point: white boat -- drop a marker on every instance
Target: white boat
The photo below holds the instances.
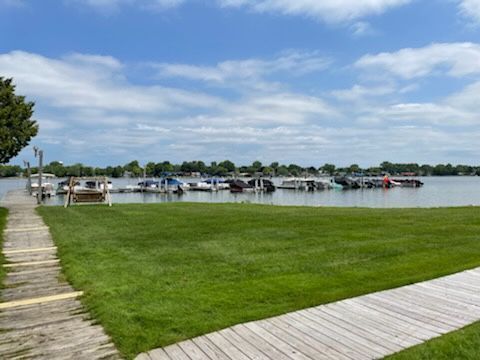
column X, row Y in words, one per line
column 298, row 184
column 98, row 185
column 201, row 186
column 48, row 188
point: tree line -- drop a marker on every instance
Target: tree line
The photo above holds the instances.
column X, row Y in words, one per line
column 227, row 167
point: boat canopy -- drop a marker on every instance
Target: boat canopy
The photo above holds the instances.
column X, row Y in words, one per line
column 148, row 183
column 171, row 181
column 44, row 175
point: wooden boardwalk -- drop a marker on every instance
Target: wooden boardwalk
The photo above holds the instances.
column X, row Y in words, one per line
column 40, row 315
column 366, row 327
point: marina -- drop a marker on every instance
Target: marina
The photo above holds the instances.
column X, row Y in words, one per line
column 437, row 191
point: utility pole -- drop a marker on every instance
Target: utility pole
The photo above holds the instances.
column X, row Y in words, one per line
column 29, row 176
column 39, row 154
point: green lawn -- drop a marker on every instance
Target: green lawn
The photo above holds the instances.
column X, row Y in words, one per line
column 462, row 344
column 3, row 222
column 156, row 274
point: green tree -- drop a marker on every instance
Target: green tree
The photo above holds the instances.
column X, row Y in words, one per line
column 16, row 128
column 354, row 168
column 328, row 168
column 267, row 170
column 150, row 169
column 227, row 164
column 257, row 165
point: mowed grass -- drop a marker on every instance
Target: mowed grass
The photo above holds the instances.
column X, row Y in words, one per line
column 3, row 222
column 462, row 344
column 159, row 273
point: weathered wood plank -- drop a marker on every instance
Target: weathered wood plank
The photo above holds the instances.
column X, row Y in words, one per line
column 42, row 317
column 193, row 351
column 278, row 343
column 228, row 348
column 175, row 352
column 212, row 351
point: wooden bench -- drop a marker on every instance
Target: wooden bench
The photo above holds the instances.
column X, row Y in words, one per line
column 84, row 197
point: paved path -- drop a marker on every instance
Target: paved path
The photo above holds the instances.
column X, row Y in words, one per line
column 366, row 327
column 40, row 315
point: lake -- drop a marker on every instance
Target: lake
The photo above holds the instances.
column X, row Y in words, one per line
column 437, row 191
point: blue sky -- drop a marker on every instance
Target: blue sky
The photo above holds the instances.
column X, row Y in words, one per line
column 304, row 81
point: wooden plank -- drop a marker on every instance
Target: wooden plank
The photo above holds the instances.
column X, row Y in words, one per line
column 433, row 308
column 143, row 356
column 302, row 346
column 259, row 343
column 21, row 251
column 39, row 300
column 175, row 352
column 434, row 322
column 192, row 350
column 158, row 354
column 311, row 341
column 228, row 348
column 458, row 306
column 461, row 293
column 32, row 263
column 346, row 344
column 360, row 327
column 428, row 310
column 276, row 342
column 449, row 295
column 429, row 323
column 466, row 280
column 325, row 321
column 248, row 349
column 396, row 316
column 25, row 229
column 328, row 340
column 389, row 320
column 209, row 348
column 402, row 335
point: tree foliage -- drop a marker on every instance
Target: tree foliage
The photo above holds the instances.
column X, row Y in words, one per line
column 16, row 127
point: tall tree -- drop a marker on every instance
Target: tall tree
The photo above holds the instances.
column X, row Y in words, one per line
column 16, row 128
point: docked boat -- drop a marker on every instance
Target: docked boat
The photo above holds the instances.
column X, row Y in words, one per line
column 348, row 182
column 48, row 189
column 173, row 185
column 239, row 186
column 201, row 186
column 262, row 185
column 218, row 183
column 414, row 183
column 94, row 185
column 324, row 184
column 150, row 186
column 298, row 184
column 62, row 187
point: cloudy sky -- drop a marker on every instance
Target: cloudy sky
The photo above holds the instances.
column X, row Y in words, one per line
column 303, row 81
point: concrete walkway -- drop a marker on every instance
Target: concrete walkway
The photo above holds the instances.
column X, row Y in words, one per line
column 40, row 315
column 366, row 327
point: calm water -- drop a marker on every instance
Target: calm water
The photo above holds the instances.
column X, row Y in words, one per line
column 437, row 191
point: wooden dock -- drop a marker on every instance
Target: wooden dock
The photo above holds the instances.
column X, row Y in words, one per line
column 40, row 314
column 367, row 327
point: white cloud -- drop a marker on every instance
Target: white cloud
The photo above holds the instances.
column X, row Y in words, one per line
column 88, row 99
column 330, row 11
column 293, row 62
column 455, row 59
column 92, row 82
column 360, row 92
column 470, row 9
